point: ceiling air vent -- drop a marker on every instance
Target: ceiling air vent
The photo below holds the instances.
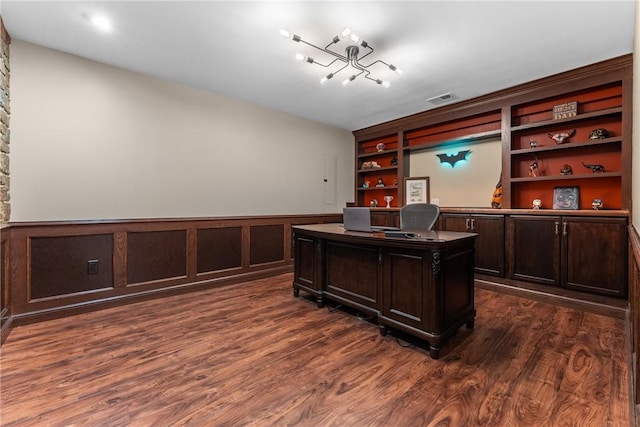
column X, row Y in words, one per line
column 442, row 99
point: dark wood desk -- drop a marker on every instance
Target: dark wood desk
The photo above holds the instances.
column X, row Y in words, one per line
column 422, row 286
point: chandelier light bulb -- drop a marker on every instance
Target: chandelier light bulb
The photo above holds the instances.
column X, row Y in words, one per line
column 349, row 80
column 285, row 33
column 355, row 38
column 396, row 69
column 345, row 32
column 326, row 78
column 300, row 57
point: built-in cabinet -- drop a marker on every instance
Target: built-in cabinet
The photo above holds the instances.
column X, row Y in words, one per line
column 489, row 255
column 578, row 253
column 567, row 134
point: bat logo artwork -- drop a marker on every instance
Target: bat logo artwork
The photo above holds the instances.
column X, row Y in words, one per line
column 452, row 159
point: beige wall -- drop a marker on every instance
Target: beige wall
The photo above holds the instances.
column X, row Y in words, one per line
column 91, row 141
column 468, row 184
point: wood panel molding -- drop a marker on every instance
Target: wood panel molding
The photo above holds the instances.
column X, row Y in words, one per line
column 634, row 303
column 45, row 264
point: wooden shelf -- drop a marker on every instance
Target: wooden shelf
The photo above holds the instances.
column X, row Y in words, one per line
column 386, row 187
column 461, row 140
column 377, row 153
column 568, row 177
column 567, row 146
column 579, row 117
column 387, row 168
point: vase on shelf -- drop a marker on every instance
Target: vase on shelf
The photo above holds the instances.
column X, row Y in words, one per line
column 388, row 199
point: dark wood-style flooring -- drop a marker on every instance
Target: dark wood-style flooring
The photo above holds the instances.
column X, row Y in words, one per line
column 253, row 355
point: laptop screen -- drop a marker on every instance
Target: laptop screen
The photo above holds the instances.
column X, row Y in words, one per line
column 356, row 219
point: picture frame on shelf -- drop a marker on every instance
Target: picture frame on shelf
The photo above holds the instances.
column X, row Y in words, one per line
column 566, row 198
column 416, row 190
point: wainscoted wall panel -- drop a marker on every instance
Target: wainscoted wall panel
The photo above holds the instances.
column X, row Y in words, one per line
column 70, row 264
column 219, row 249
column 46, row 272
column 156, row 255
column 634, row 312
column 5, row 320
column 267, row 243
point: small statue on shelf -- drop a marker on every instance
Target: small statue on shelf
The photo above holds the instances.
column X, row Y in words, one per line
column 380, row 147
column 566, row 170
column 533, row 144
column 597, row 204
column 594, row 168
column 562, row 137
column 536, row 204
column 373, row 203
column 394, row 161
column 380, row 182
column 599, row 133
column 533, row 168
column 365, row 184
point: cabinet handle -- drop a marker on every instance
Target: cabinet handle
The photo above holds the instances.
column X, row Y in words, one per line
column 473, row 224
column 564, row 228
column 557, row 228
column 466, row 224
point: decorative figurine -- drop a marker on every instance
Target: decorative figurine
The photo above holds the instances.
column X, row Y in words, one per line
column 533, row 168
column 533, row 144
column 395, row 182
column 594, row 168
column 380, row 182
column 380, row 147
column 394, row 161
column 373, row 203
column 599, row 133
column 562, row 137
column 536, row 203
column 388, row 199
column 566, row 170
column 370, row 165
column 496, row 197
column 365, row 184
column 597, row 204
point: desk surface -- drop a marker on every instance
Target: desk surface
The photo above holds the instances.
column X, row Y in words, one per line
column 336, row 230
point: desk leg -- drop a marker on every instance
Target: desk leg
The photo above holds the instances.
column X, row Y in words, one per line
column 296, row 292
column 434, row 351
column 470, row 324
column 320, row 301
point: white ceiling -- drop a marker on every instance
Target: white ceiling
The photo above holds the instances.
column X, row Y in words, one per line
column 468, row 48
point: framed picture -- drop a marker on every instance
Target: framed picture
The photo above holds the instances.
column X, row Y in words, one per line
column 416, row 190
column 566, row 198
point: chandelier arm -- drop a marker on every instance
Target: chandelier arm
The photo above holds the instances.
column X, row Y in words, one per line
column 327, row 65
column 365, row 55
column 374, row 62
column 337, row 55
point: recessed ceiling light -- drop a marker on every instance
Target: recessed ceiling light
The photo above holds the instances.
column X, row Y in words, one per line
column 100, row 21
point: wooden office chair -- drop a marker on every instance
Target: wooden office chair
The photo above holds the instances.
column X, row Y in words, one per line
column 419, row 216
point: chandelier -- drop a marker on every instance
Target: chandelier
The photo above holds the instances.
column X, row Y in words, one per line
column 351, row 57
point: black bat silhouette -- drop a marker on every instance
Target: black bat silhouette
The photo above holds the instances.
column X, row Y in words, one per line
column 452, row 159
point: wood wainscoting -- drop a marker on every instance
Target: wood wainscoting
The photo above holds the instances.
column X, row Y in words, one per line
column 634, row 310
column 53, row 269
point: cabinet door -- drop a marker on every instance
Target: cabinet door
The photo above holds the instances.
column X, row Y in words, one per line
column 535, row 249
column 455, row 222
column 353, row 274
column 405, row 298
column 381, row 218
column 489, row 257
column 305, row 270
column 595, row 255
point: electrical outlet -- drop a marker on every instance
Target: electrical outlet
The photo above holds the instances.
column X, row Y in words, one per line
column 92, row 266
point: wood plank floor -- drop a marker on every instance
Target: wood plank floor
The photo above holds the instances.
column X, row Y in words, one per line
column 253, row 355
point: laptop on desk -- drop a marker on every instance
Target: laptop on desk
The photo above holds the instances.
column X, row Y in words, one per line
column 359, row 219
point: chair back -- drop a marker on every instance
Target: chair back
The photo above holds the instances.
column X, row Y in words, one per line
column 419, row 216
